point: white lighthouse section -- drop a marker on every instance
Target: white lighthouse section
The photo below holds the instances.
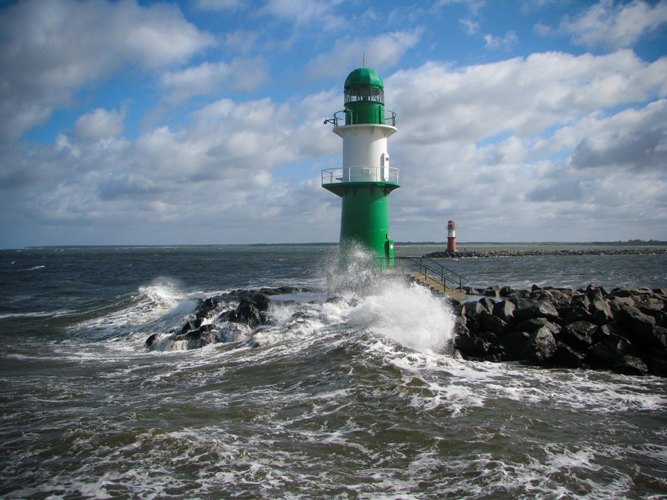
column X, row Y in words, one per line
column 365, row 155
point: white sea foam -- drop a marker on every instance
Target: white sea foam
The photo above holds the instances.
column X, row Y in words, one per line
column 38, row 314
column 162, row 301
column 407, row 314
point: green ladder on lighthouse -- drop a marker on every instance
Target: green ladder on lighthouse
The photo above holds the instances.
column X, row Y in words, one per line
column 366, row 179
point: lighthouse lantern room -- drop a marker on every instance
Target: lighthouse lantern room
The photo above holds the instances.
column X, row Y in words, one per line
column 366, row 179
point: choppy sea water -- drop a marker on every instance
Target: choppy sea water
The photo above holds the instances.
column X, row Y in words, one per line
column 356, row 398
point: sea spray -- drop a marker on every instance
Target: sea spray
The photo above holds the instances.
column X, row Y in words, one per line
column 390, row 306
column 352, row 272
column 408, row 314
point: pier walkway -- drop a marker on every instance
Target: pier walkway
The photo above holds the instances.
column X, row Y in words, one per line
column 433, row 275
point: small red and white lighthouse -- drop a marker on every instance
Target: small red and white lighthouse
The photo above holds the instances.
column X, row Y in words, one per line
column 451, row 236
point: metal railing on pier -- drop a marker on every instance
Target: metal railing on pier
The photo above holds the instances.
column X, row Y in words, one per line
column 431, row 270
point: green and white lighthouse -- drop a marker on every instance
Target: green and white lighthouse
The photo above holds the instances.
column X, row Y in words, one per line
column 366, row 179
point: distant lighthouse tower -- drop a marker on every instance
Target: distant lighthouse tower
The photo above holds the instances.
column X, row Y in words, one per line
column 451, row 236
column 366, row 179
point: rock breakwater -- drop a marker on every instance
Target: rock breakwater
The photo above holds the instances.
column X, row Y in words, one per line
column 463, row 253
column 623, row 330
column 223, row 318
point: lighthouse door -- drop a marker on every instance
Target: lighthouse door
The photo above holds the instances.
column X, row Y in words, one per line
column 384, row 163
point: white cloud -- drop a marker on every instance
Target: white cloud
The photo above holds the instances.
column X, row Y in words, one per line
column 314, row 12
column 100, row 124
column 241, row 41
column 507, row 42
column 614, row 25
column 239, row 74
column 524, row 96
column 469, row 26
column 382, row 51
column 52, row 49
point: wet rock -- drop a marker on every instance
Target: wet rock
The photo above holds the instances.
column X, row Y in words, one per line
column 488, row 304
column 151, row 340
column 492, row 322
column 631, row 365
column 504, row 310
column 204, row 328
column 622, row 330
column 579, row 335
column 472, row 347
column 656, row 361
column 540, row 309
column 200, row 337
column 570, row 314
column 248, row 313
column 513, row 345
column 601, row 311
column 540, row 346
column 505, row 291
column 191, row 325
column 567, row 357
column 611, row 351
column 534, row 324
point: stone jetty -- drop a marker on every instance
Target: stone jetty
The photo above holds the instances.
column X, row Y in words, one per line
column 623, row 330
column 463, row 253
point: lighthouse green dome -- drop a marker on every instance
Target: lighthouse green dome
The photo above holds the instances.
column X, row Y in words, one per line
column 363, row 77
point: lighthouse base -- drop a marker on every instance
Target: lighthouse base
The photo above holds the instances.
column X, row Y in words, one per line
column 365, row 222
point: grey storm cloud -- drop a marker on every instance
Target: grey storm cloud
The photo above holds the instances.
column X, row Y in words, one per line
column 640, row 150
column 636, row 139
column 559, row 191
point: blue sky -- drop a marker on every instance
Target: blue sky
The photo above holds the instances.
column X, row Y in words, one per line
column 201, row 122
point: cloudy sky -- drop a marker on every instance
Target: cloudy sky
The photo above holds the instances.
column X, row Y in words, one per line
column 137, row 122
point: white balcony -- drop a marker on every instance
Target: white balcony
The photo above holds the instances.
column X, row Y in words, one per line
column 359, row 174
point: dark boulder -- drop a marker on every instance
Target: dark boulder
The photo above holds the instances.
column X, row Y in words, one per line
column 150, row 341
column 567, row 357
column 492, row 323
column 505, row 291
column 611, row 351
column 631, row 365
column 579, row 335
column 601, row 311
column 513, row 345
column 487, row 303
column 472, row 347
column 504, row 310
column 247, row 313
column 656, row 360
column 200, row 337
column 540, row 346
column 534, row 324
column 191, row 325
column 542, row 309
column 572, row 313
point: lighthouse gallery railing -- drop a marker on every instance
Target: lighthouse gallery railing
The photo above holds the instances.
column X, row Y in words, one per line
column 339, row 118
column 359, row 174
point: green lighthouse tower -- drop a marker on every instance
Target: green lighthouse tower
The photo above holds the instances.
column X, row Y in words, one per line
column 366, row 179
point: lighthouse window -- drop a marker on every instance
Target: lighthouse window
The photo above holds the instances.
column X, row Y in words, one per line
column 364, row 94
